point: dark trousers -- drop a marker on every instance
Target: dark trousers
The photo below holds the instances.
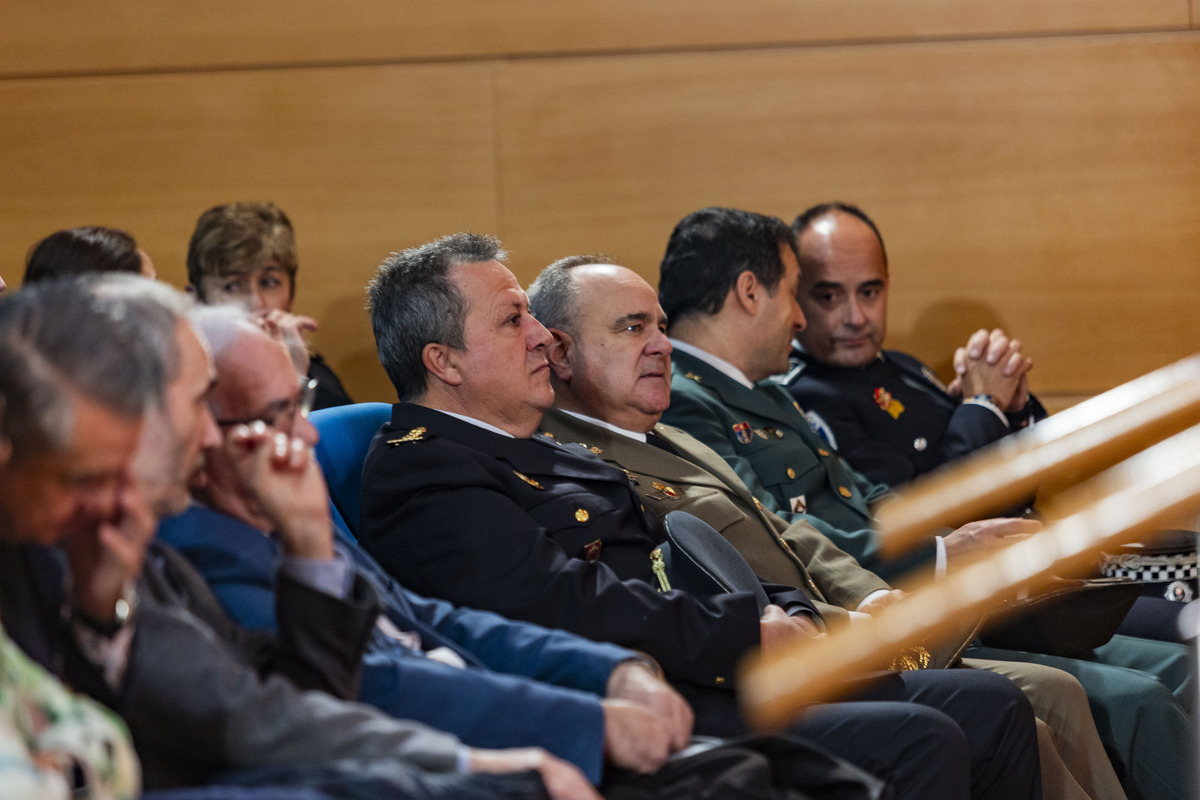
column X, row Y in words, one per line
column 929, row 733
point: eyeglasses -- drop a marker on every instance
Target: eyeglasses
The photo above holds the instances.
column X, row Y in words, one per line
column 281, row 414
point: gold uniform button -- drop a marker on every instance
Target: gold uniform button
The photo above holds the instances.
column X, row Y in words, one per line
column 844, row 492
column 719, row 680
column 823, row 452
column 791, row 473
column 581, row 515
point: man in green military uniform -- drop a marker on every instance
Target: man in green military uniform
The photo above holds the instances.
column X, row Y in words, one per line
column 728, row 285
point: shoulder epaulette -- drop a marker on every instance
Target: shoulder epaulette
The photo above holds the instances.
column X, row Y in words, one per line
column 415, row 435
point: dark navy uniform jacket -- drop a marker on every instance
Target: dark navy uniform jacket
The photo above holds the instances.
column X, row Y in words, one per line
column 893, row 419
column 544, row 532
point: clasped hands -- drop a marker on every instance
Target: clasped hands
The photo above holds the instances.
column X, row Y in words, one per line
column 992, row 364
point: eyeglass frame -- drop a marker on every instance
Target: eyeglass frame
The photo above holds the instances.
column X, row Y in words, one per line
column 300, row 405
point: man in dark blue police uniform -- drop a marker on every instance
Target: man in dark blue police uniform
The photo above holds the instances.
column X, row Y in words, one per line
column 887, row 413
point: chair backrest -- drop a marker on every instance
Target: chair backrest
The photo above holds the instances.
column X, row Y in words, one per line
column 346, row 433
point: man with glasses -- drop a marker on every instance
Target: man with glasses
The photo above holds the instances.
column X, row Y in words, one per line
column 105, row 387
column 490, row 681
column 281, row 414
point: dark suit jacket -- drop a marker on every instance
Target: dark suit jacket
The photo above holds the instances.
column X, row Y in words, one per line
column 194, row 700
column 537, row 531
column 893, row 444
column 696, row 479
column 32, row 597
column 482, row 707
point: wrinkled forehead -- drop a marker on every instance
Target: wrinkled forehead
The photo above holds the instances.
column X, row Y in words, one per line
column 101, row 442
column 607, row 292
column 487, row 286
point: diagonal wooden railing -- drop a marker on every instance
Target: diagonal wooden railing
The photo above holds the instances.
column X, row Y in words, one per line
column 1048, row 457
column 1149, row 490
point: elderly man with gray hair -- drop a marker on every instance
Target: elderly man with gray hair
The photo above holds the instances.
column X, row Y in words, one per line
column 104, row 356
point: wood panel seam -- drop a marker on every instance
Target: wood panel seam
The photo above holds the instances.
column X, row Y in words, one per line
column 799, row 44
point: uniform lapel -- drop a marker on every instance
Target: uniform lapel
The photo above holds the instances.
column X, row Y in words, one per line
column 732, row 393
column 919, row 377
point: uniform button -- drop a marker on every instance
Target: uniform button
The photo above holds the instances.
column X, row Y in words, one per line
column 823, row 452
column 581, row 514
column 791, row 473
column 919, row 443
column 719, row 680
column 844, row 492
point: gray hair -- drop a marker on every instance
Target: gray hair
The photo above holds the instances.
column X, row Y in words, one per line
column 223, row 325
column 161, row 309
column 554, row 295
column 413, row 302
column 59, row 339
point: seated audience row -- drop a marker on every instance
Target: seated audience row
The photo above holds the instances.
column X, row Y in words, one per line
column 167, row 544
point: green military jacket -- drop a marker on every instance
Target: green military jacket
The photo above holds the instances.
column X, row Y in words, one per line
column 696, row 479
column 764, row 437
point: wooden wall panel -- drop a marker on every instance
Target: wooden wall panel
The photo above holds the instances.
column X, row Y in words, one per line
column 1048, row 185
column 41, row 37
column 364, row 161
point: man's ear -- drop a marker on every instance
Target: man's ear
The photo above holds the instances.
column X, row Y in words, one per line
column 440, row 363
column 559, row 354
column 747, row 292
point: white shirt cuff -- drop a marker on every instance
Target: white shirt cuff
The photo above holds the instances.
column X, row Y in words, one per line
column 870, row 597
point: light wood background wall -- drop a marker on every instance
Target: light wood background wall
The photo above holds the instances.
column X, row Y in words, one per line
column 1033, row 165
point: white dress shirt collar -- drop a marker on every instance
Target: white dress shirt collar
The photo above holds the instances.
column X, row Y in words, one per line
column 641, row 437
column 714, row 362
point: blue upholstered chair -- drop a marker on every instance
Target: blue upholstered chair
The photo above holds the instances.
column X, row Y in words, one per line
column 346, row 433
